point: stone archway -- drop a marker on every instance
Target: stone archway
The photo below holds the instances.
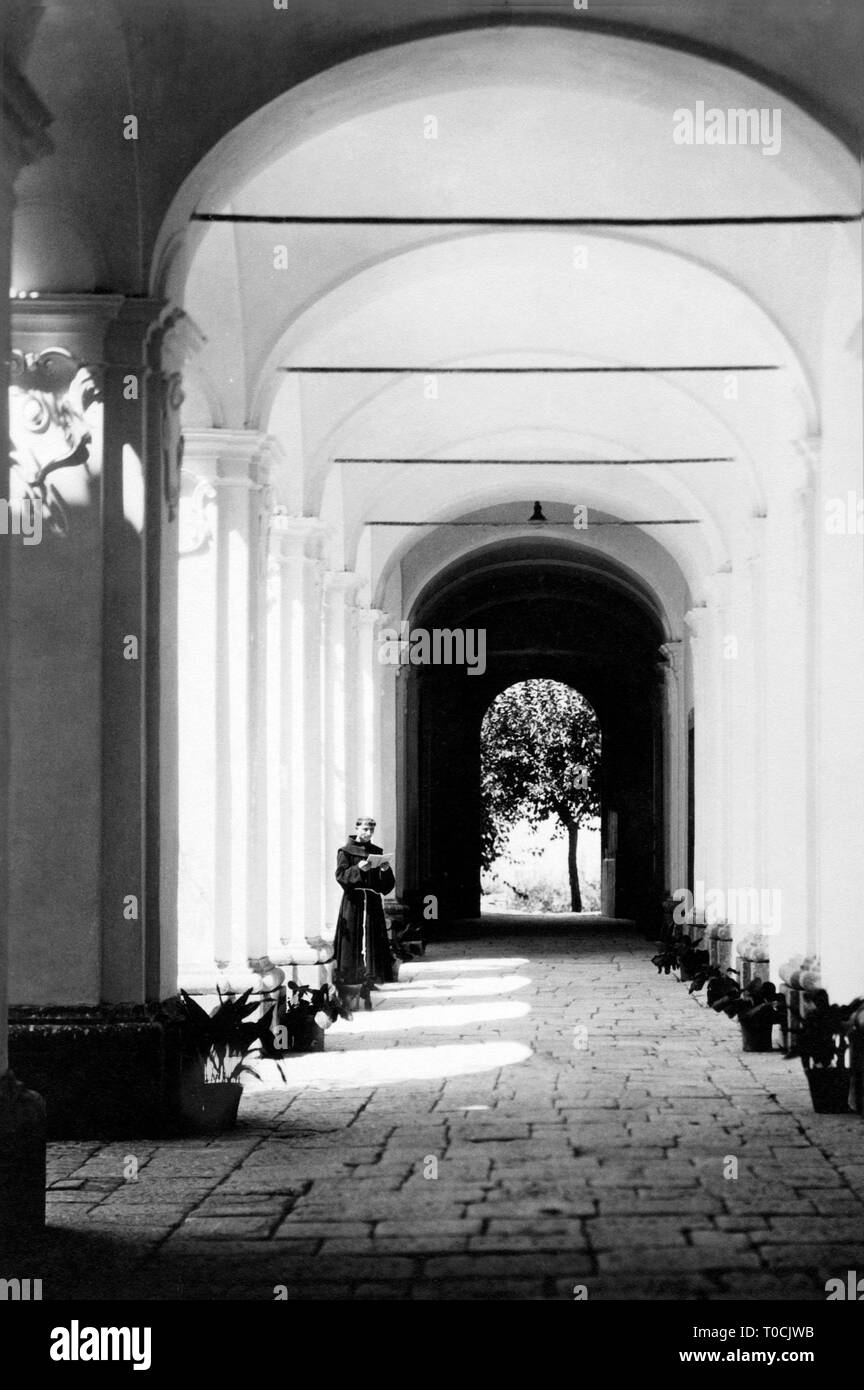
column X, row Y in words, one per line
column 546, row 612
column 549, row 370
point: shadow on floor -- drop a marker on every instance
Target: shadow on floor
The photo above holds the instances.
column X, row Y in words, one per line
column 546, row 924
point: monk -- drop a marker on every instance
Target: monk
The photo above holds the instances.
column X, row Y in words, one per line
column 362, row 946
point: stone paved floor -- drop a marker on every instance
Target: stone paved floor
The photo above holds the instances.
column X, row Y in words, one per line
column 521, row 1114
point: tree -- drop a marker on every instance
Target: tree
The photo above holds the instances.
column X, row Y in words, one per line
column 540, row 743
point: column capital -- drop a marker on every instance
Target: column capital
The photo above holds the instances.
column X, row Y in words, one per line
column 228, row 458
column 340, row 584
column 342, row 581
column 296, row 537
column 371, row 618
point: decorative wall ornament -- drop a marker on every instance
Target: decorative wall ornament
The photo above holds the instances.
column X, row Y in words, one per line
column 50, row 393
column 196, row 520
column 178, row 338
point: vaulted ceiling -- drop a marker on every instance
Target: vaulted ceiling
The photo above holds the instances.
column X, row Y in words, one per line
column 192, row 70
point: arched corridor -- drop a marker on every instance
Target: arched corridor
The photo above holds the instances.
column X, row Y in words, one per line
column 364, row 359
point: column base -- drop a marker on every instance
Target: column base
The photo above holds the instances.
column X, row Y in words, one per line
column 22, row 1161
column 311, row 958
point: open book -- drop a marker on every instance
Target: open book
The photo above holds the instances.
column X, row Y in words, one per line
column 376, row 860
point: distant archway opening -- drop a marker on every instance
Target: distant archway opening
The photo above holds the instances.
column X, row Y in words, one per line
column 540, row 750
column 549, row 611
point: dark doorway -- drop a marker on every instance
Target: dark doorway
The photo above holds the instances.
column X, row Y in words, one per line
column 549, row 610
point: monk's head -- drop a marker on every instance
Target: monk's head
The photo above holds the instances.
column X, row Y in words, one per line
column 364, row 829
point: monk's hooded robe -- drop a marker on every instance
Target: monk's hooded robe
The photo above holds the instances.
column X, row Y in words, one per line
column 362, row 946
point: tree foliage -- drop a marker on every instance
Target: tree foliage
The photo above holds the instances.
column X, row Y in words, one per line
column 540, row 745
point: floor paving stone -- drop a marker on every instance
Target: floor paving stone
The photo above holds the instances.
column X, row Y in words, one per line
column 467, row 1144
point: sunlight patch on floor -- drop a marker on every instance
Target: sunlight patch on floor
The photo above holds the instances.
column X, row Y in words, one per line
column 434, row 989
column 333, row 1071
column 415, row 970
column 394, row 1019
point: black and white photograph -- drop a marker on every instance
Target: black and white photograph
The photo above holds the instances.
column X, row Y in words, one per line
column 432, row 680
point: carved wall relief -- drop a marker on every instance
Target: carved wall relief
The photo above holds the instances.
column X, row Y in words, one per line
column 50, row 393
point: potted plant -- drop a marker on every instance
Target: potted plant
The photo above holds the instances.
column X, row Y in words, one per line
column 722, row 985
column 666, row 959
column 691, row 959
column 680, row 955
column 757, row 1007
column 299, row 1018
column 823, row 1043
column 760, row 1008
column 212, row 1057
column 855, row 1028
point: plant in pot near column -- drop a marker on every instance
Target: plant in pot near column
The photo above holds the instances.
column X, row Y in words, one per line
column 680, row 955
column 855, row 1028
column 823, row 1045
column 722, row 985
column 213, row 1051
column 299, row 1017
column 691, row 959
column 758, row 1008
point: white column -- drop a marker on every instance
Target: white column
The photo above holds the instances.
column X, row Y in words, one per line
column 837, row 650
column 722, row 731
column 340, row 697
column 705, row 792
column 789, row 699
column 388, row 683
column 369, row 724
column 675, row 741
column 738, row 658
column 294, row 866
column 221, row 670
